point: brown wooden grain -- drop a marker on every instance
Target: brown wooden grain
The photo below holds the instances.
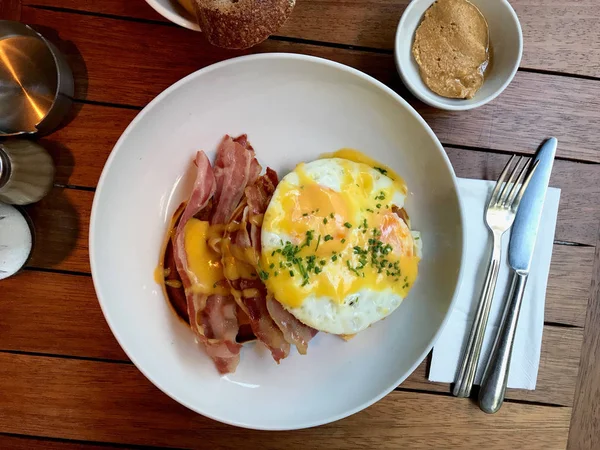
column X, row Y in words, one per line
column 129, row 62
column 533, row 107
column 37, row 443
column 10, row 10
column 153, row 57
column 568, row 281
column 578, row 213
column 81, row 148
column 61, row 223
column 585, row 423
column 70, row 320
column 97, row 401
column 561, row 36
column 558, row 36
column 557, row 376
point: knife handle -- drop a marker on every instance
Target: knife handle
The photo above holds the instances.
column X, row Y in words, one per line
column 495, row 376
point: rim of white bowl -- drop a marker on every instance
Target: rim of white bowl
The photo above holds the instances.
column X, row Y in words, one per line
column 266, row 56
column 173, row 17
column 430, row 99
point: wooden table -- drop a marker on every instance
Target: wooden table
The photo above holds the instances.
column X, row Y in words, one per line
column 64, row 381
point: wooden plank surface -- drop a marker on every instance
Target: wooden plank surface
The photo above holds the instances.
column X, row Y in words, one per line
column 558, row 35
column 61, row 223
column 10, row 9
column 11, row 442
column 557, row 376
column 73, row 399
column 77, row 400
column 578, row 212
column 73, row 325
column 585, row 423
column 81, row 148
column 71, row 321
column 533, row 107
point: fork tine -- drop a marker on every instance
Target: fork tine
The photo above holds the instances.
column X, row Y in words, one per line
column 511, row 180
column 515, row 204
column 494, row 197
column 510, row 198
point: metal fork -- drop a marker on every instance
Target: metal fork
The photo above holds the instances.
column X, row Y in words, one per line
column 499, row 217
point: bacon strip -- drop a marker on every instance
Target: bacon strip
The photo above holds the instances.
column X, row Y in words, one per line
column 235, row 166
column 294, row 331
column 203, row 190
column 253, row 297
column 212, row 318
column 242, row 247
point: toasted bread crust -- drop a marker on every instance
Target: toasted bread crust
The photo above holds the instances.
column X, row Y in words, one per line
column 243, row 23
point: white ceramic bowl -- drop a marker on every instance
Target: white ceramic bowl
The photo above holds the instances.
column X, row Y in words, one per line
column 294, row 108
column 174, row 12
column 506, row 40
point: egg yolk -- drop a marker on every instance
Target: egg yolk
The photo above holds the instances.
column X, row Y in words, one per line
column 340, row 241
column 204, row 265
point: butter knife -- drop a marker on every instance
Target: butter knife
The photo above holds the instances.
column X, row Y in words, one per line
column 520, row 251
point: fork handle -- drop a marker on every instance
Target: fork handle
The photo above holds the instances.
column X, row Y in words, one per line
column 470, row 358
column 495, row 376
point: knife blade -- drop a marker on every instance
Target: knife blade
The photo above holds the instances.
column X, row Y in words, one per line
column 527, row 220
column 520, row 252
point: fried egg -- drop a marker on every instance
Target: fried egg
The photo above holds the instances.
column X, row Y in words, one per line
column 337, row 249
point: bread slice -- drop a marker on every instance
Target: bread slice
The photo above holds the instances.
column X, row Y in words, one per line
column 239, row 24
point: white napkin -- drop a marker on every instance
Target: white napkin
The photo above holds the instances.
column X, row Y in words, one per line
column 528, row 340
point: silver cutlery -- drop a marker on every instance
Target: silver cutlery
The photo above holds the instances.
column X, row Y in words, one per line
column 520, row 252
column 499, row 217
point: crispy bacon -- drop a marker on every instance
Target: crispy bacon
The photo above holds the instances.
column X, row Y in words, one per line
column 294, row 331
column 234, row 167
column 212, row 317
column 242, row 247
column 235, row 197
column 252, row 295
column 203, row 190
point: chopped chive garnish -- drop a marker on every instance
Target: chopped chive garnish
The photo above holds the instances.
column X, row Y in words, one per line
column 348, row 225
column 291, row 273
column 328, row 237
column 343, row 240
column 351, row 268
column 325, row 220
column 381, row 196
